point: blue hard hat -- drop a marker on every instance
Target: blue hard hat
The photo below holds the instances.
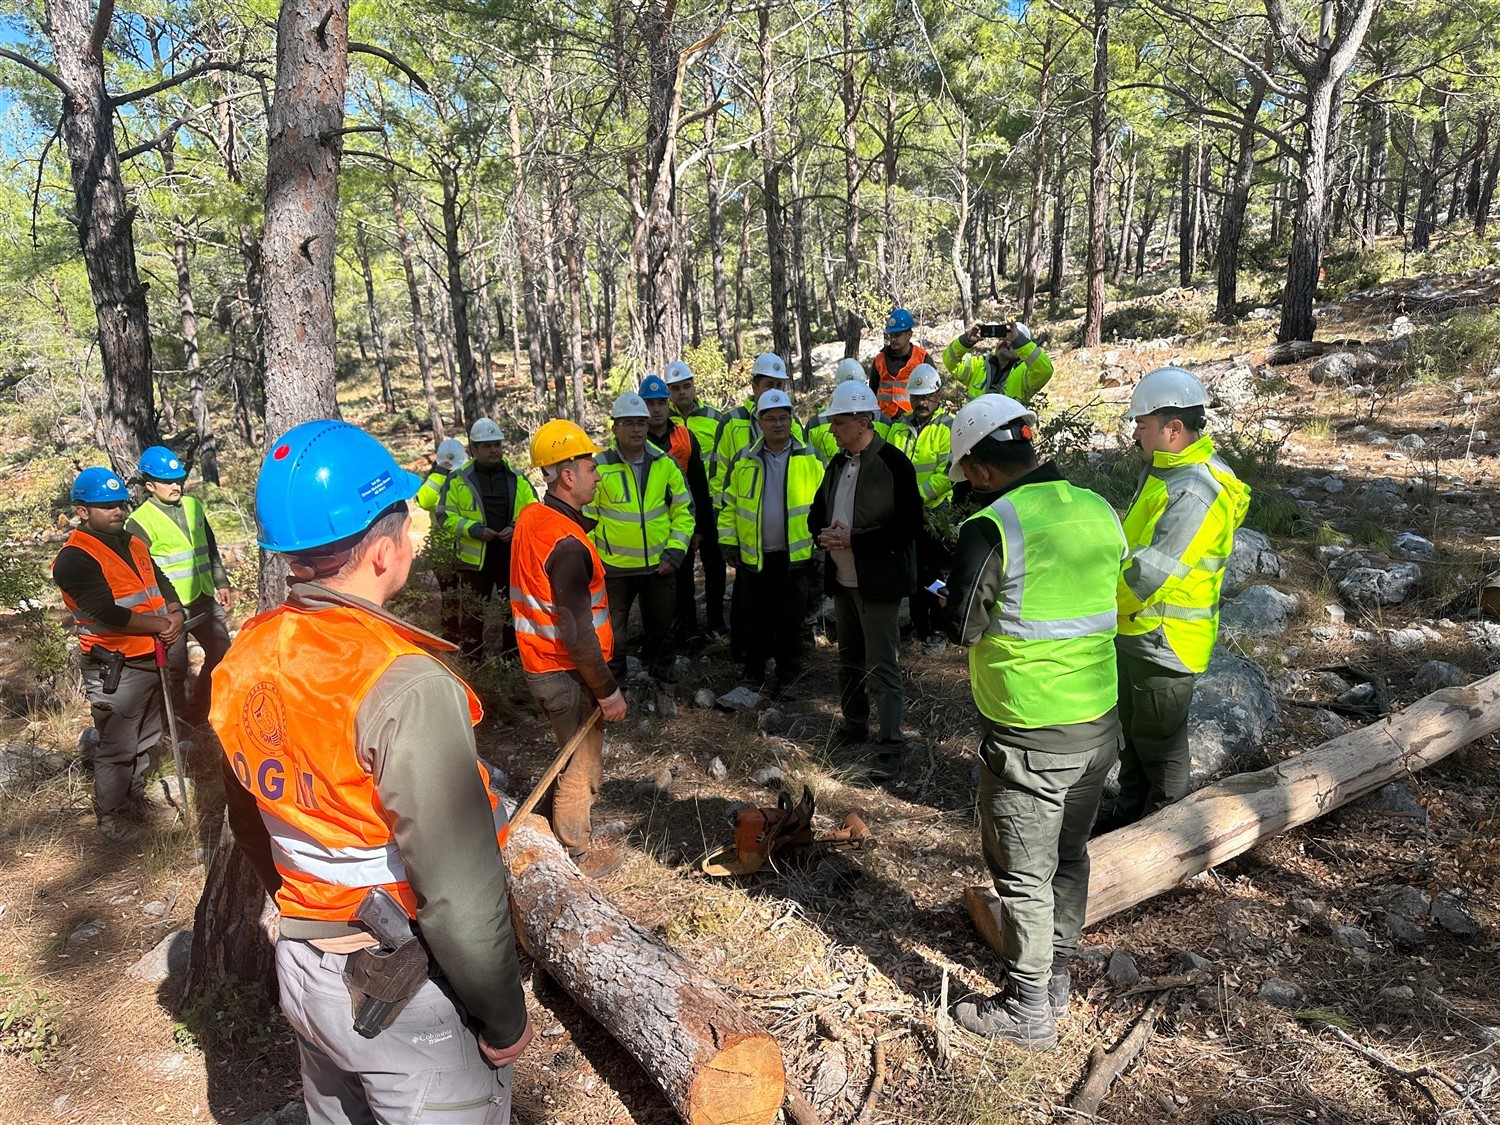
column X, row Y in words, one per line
column 98, row 486
column 653, row 386
column 323, row 482
column 900, row 321
column 160, row 463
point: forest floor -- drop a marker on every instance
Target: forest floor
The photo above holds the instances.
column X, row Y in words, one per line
column 852, row 951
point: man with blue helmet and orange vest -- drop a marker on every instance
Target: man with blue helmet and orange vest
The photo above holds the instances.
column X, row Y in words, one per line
column 176, row 530
column 894, row 363
column 350, row 767
column 557, row 589
column 121, row 603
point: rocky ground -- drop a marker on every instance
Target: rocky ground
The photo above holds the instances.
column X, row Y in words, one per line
column 1343, row 972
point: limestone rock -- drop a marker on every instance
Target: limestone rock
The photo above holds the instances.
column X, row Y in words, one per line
column 1281, row 993
column 1123, row 972
column 1260, row 611
column 1371, row 586
column 168, row 956
column 25, row 763
column 717, row 769
column 1410, row 545
column 1233, row 712
column 740, row 699
column 1253, row 556
column 1437, row 674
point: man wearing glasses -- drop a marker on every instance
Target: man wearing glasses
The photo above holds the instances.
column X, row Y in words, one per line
column 120, row 601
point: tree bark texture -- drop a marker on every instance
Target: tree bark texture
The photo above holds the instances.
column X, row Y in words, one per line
column 715, row 1065
column 1031, row 256
column 475, row 400
column 1236, row 201
column 852, row 176
column 305, row 148
column 106, row 236
column 1427, row 181
column 714, row 210
column 1221, row 821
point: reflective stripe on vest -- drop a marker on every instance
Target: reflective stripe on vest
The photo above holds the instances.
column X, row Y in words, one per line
column 182, row 555
column 740, row 516
column 634, row 529
column 1181, row 528
column 1047, row 657
column 286, row 701
column 539, row 528
column 891, row 392
column 133, row 587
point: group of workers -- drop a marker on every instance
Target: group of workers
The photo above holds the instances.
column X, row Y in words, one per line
column 349, row 755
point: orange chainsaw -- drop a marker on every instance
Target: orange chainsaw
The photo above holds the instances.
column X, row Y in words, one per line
column 782, row 834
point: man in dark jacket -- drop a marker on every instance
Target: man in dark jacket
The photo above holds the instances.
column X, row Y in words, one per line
column 869, row 513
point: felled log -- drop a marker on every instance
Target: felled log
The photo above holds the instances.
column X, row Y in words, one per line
column 1221, row 821
column 715, row 1064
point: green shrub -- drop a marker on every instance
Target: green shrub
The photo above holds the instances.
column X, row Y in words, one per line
column 1467, row 345
column 1153, row 319
column 28, row 1022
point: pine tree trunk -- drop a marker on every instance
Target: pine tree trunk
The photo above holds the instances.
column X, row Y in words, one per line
column 715, row 221
column 1486, row 194
column 853, row 326
column 776, row 252
column 1127, row 216
column 804, row 304
column 105, row 222
column 458, row 295
column 1236, row 201
column 1031, row 256
column 525, row 228
column 362, row 243
column 961, row 227
column 1098, row 222
column 418, row 324
column 208, row 447
column 1376, row 169
column 1427, row 181
column 1187, row 223
column 569, row 209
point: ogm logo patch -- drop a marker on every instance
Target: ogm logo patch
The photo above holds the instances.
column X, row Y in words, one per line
column 263, row 718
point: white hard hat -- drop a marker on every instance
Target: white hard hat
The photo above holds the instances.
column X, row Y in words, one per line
column 450, row 452
column 852, row 398
column 1022, row 335
column 924, row 380
column 771, row 400
column 768, row 366
column 629, row 405
column 849, row 369
column 677, row 372
column 1164, row 387
column 980, row 419
column 485, row 430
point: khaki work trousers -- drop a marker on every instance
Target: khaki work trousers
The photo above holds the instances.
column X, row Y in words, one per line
column 569, row 804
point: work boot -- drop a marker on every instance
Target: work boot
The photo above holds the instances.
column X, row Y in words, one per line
column 118, row 829
column 1021, row 1014
column 849, row 736
column 1057, row 990
column 602, row 858
column 889, row 758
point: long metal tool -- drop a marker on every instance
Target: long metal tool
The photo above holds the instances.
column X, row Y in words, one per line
column 559, row 763
column 166, row 702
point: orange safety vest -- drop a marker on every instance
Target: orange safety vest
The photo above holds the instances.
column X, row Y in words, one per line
column 680, row 446
column 538, row 530
column 284, row 706
column 892, row 393
column 135, row 590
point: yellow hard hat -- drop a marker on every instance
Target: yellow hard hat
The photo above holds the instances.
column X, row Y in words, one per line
column 559, row 440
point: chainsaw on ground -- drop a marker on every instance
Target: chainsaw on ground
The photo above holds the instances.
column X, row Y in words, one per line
column 783, row 834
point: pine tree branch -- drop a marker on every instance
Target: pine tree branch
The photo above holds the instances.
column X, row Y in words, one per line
column 38, row 68
column 379, row 53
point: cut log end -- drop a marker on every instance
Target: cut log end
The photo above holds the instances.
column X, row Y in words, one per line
column 743, row 1084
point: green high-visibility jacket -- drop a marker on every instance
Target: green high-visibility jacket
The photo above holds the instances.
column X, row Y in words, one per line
column 638, row 530
column 461, row 510
column 738, row 429
column 703, row 421
column 983, row 374
column 1037, row 594
column 742, row 515
column 183, row 557
column 929, row 448
column 432, row 490
column 1181, row 528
